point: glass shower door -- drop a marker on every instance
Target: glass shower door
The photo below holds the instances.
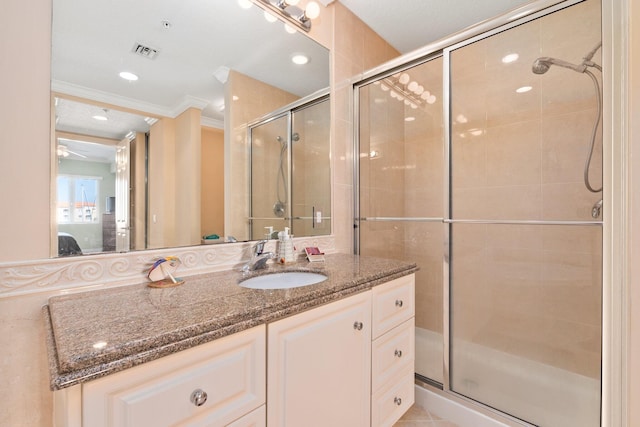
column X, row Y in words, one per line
column 525, row 276
column 270, row 177
column 401, row 191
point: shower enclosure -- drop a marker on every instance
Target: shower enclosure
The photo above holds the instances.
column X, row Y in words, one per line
column 290, row 172
column 481, row 161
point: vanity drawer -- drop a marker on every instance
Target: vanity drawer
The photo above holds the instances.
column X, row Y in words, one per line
column 392, row 354
column 230, row 372
column 391, row 402
column 393, row 304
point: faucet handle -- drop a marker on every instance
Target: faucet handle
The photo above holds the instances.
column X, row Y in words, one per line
column 258, row 248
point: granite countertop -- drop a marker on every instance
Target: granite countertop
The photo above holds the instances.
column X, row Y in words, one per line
column 134, row 324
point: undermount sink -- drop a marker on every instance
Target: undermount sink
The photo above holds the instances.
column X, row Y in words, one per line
column 285, row 280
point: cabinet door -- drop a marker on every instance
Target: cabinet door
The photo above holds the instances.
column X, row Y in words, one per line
column 319, row 366
column 209, row 385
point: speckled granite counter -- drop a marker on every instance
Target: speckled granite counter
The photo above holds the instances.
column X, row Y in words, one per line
column 134, row 324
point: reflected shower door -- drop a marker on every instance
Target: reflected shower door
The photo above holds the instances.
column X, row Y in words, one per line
column 311, row 174
column 269, row 176
column 401, row 191
column 526, row 253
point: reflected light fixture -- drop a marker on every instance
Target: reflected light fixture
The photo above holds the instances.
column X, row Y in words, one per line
column 299, row 59
column 101, row 117
column 524, row 89
column 128, row 76
column 512, row 57
column 292, row 13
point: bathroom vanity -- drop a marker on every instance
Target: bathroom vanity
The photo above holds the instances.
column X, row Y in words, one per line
column 210, row 352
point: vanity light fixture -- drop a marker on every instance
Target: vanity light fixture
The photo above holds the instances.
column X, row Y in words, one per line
column 291, row 13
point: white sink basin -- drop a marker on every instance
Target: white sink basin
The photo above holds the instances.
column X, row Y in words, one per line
column 286, row 280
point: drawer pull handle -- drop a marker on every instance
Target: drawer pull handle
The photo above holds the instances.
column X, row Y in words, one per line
column 398, row 353
column 397, row 401
column 199, row 397
column 399, row 303
column 357, row 326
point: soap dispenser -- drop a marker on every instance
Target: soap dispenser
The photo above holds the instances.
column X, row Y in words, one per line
column 285, row 246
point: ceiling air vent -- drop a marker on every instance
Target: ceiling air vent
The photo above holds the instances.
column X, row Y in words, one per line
column 146, row 51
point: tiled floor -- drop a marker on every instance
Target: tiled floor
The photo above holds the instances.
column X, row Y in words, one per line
column 418, row 417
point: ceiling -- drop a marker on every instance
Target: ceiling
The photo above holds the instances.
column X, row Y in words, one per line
column 93, row 41
column 410, row 24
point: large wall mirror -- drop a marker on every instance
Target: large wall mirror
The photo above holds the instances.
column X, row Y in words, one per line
column 153, row 102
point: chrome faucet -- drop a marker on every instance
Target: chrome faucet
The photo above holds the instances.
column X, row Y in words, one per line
column 259, row 258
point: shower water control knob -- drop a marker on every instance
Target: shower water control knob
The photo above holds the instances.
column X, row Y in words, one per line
column 399, row 303
column 199, row 397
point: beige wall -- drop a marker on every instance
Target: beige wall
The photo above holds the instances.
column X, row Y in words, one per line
column 633, row 304
column 175, row 181
column 212, row 198
column 26, row 149
column 355, row 50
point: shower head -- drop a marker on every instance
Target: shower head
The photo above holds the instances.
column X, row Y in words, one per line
column 542, row 65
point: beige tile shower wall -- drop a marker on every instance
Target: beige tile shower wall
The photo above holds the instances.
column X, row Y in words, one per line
column 356, row 48
column 254, row 100
column 528, row 290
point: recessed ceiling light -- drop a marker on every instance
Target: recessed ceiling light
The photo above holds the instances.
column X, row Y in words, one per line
column 512, row 57
column 524, row 89
column 299, row 59
column 100, row 117
column 409, row 119
column 128, row 76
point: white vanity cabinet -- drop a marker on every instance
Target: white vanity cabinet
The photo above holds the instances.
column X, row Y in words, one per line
column 348, row 363
column 393, row 350
column 214, row 384
column 319, row 366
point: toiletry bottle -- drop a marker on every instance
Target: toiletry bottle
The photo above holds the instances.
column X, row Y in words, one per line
column 285, row 246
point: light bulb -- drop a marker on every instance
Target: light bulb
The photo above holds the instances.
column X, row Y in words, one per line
column 404, row 78
column 269, row 17
column 245, row 4
column 292, row 2
column 312, row 11
column 412, row 86
column 289, row 29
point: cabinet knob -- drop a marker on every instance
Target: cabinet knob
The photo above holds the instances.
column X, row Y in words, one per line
column 199, row 397
column 399, row 303
column 357, row 326
column 397, row 401
column 398, row 353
